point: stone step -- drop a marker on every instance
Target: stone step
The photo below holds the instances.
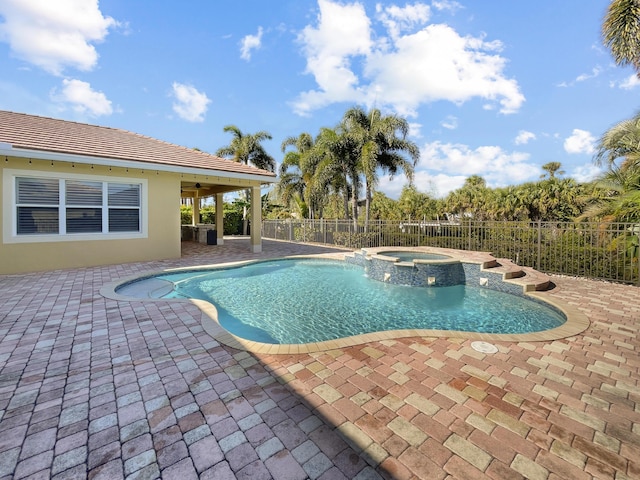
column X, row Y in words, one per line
column 530, row 279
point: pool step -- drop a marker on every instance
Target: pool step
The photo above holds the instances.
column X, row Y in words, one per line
column 531, row 280
column 535, row 281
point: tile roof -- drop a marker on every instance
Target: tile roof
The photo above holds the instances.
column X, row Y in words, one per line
column 32, row 132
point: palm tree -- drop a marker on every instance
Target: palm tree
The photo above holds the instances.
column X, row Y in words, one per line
column 378, row 142
column 296, row 174
column 415, row 205
column 336, row 168
column 509, row 204
column 472, row 199
column 248, row 150
column 621, row 32
column 552, row 168
column 622, row 141
column 616, row 196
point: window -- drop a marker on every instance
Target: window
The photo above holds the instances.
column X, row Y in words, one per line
column 124, row 207
column 83, row 202
column 38, row 200
column 75, row 206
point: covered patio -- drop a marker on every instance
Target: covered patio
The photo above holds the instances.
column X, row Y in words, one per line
column 197, row 189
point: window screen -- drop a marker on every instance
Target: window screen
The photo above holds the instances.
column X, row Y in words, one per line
column 37, row 206
column 125, row 218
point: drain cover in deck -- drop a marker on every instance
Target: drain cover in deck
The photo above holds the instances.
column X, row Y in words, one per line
column 484, row 347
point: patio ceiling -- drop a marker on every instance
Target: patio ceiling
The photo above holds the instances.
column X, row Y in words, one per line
column 204, row 188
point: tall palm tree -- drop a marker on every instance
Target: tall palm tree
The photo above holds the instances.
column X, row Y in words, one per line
column 297, row 174
column 621, row 32
column 336, row 168
column 247, row 149
column 379, row 142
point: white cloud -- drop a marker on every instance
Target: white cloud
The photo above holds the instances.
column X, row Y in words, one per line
column 392, row 187
column 450, row 5
column 415, row 130
column 190, row 105
column 632, row 81
column 523, row 137
column 82, row 98
column 580, row 141
column 444, row 167
column 438, row 64
column 54, row 35
column 497, row 167
column 343, row 31
column 397, row 19
column 586, row 76
column 585, row 173
column 451, row 122
column 404, row 70
column 440, row 184
column 422, row 180
column 596, row 71
column 436, row 185
column 249, row 43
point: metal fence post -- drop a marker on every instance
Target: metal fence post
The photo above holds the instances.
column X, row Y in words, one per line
column 635, row 228
column 539, row 260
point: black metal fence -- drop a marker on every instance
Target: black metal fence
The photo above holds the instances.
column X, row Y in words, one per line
column 593, row 250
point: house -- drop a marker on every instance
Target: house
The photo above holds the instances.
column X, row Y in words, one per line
column 76, row 195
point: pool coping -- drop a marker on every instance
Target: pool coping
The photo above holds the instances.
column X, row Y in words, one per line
column 576, row 323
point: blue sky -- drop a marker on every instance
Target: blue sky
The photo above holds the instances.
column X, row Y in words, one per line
column 495, row 88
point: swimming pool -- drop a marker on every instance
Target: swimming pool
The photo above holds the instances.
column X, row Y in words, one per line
column 298, row 301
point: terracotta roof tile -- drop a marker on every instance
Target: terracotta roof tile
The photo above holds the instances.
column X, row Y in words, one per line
column 65, row 137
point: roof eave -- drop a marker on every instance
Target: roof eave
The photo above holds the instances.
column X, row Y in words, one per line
column 8, row 149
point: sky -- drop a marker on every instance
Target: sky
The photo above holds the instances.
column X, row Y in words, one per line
column 494, row 88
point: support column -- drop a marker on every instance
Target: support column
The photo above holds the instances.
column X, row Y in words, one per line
column 256, row 220
column 196, row 209
column 220, row 217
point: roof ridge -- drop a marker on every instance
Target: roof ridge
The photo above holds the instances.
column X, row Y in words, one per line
column 117, row 129
column 43, row 117
column 43, row 133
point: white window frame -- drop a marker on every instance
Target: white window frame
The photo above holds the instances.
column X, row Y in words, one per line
column 10, row 210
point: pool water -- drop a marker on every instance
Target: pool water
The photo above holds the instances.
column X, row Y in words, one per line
column 405, row 256
column 303, row 301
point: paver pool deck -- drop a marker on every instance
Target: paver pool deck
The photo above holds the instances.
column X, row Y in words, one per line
column 92, row 387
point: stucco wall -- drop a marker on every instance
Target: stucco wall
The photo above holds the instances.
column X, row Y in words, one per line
column 160, row 210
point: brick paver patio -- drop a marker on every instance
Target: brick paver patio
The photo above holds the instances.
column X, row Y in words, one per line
column 104, row 389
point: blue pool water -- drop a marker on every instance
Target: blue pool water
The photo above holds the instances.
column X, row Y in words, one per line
column 302, row 301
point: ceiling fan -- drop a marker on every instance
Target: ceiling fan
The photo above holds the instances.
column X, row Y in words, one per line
column 190, row 188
